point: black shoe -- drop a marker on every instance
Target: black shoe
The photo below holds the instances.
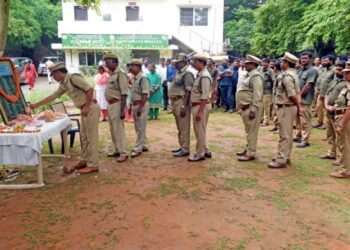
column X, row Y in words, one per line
column 296, row 140
column 317, row 126
column 113, row 154
column 176, row 150
column 181, row 154
column 145, row 150
column 274, row 129
column 241, row 153
column 208, row 155
column 195, row 158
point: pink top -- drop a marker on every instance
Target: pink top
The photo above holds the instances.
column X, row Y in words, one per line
column 102, row 79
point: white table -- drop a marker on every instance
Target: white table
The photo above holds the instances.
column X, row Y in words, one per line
column 25, row 149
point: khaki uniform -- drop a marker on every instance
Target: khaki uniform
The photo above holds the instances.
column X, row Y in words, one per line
column 319, row 102
column 249, row 98
column 276, row 83
column 336, row 142
column 116, row 87
column 343, row 103
column 76, row 87
column 183, row 81
column 201, row 91
column 306, row 75
column 286, row 113
column 269, row 79
column 140, row 86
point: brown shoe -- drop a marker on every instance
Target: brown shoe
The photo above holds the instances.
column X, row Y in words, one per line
column 246, row 158
column 80, row 165
column 135, row 154
column 241, row 153
column 88, row 170
column 122, row 158
column 276, row 164
column 341, row 174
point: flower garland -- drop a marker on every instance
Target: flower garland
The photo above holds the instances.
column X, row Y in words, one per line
column 11, row 98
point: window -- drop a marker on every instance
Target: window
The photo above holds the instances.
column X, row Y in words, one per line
column 194, row 16
column 90, row 58
column 132, row 13
column 80, row 13
column 107, row 17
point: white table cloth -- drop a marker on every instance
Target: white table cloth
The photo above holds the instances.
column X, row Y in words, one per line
column 25, row 148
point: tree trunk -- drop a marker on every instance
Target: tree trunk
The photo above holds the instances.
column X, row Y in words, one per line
column 4, row 23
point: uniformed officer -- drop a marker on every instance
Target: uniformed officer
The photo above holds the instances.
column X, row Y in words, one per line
column 278, row 74
column 116, row 94
column 269, row 78
column 140, row 107
column 200, row 103
column 336, row 86
column 179, row 94
column 249, row 103
column 319, row 101
column 81, row 94
column 344, row 129
column 307, row 77
column 288, row 104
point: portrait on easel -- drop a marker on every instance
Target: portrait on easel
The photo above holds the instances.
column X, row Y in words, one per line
column 12, row 101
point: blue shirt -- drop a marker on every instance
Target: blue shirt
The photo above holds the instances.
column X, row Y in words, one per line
column 170, row 73
column 235, row 77
column 226, row 80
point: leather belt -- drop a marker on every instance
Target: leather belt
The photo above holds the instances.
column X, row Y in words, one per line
column 285, row 105
column 137, row 102
column 194, row 104
column 175, row 98
column 245, row 107
column 112, row 101
column 340, row 111
column 92, row 102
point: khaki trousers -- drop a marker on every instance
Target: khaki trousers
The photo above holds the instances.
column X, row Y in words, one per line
column 89, row 135
column 286, row 116
column 340, row 139
column 252, row 129
column 200, row 129
column 303, row 123
column 183, row 125
column 140, row 123
column 116, row 126
column 345, row 158
column 320, row 110
column 267, row 101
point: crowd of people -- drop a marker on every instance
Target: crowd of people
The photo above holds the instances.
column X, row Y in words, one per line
column 262, row 91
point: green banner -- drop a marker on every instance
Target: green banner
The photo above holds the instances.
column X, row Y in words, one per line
column 105, row 41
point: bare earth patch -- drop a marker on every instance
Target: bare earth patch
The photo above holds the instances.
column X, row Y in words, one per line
column 159, row 202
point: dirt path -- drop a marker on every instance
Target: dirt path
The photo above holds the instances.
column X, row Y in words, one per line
column 159, row 202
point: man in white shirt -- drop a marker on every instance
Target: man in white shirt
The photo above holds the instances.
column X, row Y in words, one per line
column 48, row 64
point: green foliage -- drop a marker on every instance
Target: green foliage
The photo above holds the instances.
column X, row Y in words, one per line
column 31, row 19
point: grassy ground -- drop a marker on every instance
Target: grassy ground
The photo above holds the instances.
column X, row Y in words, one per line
column 159, row 202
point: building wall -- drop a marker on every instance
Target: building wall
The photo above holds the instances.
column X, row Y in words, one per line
column 156, row 17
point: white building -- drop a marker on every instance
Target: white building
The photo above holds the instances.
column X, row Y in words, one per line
column 151, row 28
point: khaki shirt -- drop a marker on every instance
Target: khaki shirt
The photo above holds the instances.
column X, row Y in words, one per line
column 320, row 71
column 117, row 85
column 269, row 78
column 335, row 87
column 76, row 87
column 250, row 91
column 140, row 86
column 275, row 84
column 288, row 87
column 343, row 99
column 183, row 81
column 202, row 86
column 328, row 76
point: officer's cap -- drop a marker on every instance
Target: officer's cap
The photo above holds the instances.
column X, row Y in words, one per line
column 136, row 62
column 56, row 66
column 252, row 59
column 181, row 57
column 290, row 58
column 200, row 57
column 346, row 71
column 110, row 56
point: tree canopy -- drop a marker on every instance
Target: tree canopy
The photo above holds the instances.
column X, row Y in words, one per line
column 274, row 26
